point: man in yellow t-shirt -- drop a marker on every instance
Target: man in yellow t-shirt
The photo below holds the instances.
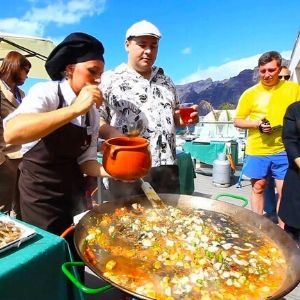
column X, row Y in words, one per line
column 260, row 110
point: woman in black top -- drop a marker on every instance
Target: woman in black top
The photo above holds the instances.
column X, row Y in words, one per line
column 289, row 210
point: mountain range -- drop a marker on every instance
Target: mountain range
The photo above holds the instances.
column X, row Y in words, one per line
column 217, row 93
column 209, row 94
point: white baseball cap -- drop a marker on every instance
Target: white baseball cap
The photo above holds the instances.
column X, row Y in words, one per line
column 143, row 28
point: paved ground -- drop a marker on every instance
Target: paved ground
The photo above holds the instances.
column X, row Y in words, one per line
column 203, row 187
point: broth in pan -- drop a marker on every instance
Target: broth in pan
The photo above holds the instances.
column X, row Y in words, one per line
column 184, row 254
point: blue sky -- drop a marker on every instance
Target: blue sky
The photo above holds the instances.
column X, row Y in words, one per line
column 201, row 38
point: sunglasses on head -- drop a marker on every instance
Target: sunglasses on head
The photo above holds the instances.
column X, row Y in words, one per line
column 285, row 77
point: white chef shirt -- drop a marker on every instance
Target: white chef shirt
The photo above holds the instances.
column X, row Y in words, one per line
column 43, row 97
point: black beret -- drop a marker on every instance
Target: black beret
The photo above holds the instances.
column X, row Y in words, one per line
column 76, row 47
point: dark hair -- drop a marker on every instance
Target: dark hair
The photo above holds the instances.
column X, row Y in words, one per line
column 268, row 57
column 12, row 64
column 284, row 67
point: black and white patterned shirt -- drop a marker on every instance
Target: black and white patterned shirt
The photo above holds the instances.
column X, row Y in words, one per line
column 133, row 97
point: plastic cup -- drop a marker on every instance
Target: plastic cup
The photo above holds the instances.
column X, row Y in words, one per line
column 185, row 112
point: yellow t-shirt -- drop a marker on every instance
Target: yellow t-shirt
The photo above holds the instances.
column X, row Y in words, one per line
column 260, row 101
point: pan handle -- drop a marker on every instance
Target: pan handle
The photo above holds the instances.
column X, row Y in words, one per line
column 65, row 268
column 67, row 231
column 243, row 199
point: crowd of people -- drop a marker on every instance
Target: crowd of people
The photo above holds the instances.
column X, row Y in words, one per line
column 58, row 123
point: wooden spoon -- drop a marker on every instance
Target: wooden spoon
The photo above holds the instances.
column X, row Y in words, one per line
column 152, row 196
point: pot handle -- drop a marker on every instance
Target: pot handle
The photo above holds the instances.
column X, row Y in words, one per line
column 114, row 151
column 243, row 199
column 65, row 268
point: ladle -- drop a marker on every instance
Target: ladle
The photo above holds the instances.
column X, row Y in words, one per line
column 135, row 128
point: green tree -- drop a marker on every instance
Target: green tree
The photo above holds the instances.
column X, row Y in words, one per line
column 227, row 106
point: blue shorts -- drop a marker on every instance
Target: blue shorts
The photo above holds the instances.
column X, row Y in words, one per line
column 262, row 166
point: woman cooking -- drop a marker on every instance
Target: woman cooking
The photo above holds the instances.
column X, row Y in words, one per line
column 57, row 123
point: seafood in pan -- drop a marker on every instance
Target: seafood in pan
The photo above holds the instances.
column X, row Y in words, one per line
column 184, row 254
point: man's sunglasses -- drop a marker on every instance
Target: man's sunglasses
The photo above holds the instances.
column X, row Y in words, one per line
column 285, row 77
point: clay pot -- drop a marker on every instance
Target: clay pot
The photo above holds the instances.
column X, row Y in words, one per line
column 126, row 158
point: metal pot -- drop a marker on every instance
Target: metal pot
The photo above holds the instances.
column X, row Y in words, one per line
column 238, row 214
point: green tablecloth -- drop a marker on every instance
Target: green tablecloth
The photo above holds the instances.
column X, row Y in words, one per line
column 208, row 152
column 33, row 271
column 186, row 173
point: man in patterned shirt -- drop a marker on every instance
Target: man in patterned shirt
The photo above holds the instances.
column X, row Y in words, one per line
column 140, row 91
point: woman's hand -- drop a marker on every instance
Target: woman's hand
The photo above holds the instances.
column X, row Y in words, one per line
column 93, row 168
column 103, row 172
column 88, row 96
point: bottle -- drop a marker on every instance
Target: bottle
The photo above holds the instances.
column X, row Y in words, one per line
column 221, row 171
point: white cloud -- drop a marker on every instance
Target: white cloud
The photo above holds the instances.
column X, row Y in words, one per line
column 66, row 13
column 59, row 12
column 227, row 70
column 14, row 25
column 186, row 51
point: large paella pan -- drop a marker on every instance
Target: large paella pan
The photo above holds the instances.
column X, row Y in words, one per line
column 199, row 249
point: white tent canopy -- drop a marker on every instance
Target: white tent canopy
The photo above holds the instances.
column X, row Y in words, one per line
column 34, row 48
